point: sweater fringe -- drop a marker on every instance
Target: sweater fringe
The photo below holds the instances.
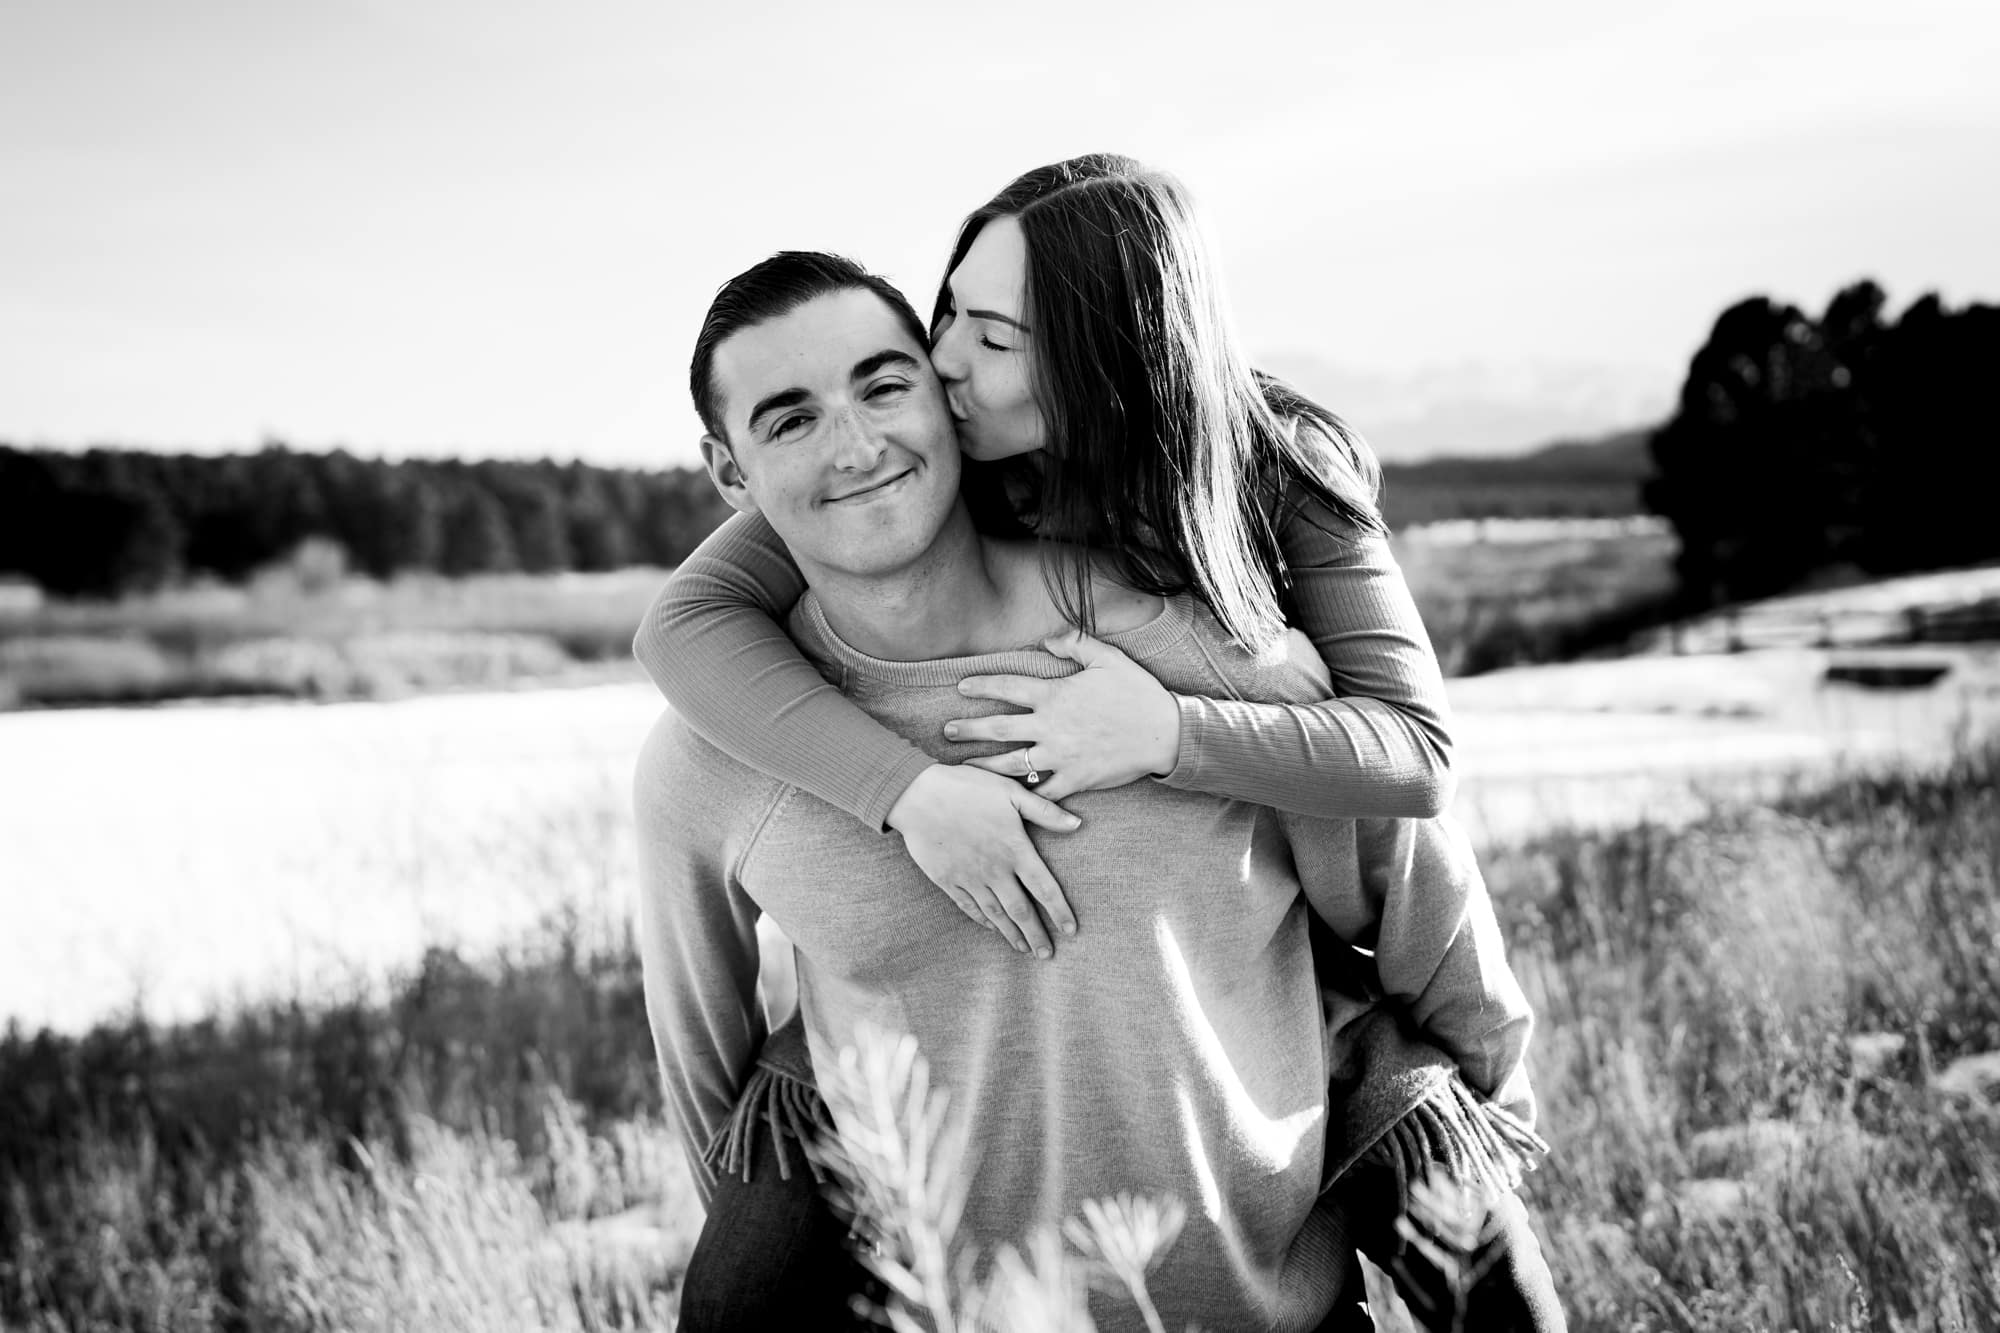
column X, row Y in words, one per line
column 1477, row 1145
column 788, row 1107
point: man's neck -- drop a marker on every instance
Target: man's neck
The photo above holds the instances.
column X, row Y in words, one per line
column 961, row 598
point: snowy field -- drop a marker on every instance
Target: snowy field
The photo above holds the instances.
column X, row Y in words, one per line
column 182, row 856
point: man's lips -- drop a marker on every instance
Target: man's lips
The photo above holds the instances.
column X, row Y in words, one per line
column 881, row 485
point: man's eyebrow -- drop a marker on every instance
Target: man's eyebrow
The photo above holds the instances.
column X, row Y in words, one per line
column 773, row 402
column 996, row 315
column 866, row 366
column 888, row 356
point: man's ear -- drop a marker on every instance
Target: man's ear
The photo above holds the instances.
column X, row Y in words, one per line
column 727, row 476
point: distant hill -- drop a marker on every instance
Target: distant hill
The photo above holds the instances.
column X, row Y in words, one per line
column 1597, row 478
column 1475, row 410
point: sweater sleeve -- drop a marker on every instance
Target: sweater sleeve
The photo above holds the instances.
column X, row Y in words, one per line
column 1421, row 905
column 1382, row 747
column 713, row 644
column 698, row 949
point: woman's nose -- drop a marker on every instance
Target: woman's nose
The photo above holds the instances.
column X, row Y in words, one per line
column 945, row 358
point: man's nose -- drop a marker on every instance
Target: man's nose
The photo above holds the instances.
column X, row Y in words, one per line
column 856, row 447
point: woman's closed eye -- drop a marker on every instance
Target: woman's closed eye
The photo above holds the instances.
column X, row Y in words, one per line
column 950, row 317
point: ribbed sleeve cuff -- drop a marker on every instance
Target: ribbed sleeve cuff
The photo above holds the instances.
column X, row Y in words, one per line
column 882, row 798
column 1186, row 772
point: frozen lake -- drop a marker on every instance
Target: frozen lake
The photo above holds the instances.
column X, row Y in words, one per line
column 176, row 857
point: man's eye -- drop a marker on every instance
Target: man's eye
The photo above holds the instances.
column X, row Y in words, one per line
column 785, row 425
column 889, row 389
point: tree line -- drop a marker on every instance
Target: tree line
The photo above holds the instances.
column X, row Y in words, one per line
column 108, row 521
column 1851, row 440
column 1597, row 478
column 105, row 522
column 1797, row 444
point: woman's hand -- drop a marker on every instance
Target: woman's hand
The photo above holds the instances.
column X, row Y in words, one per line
column 965, row 829
column 1109, row 724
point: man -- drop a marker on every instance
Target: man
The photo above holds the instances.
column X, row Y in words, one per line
column 1174, row 1045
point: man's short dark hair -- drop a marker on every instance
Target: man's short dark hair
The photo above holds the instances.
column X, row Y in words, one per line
column 769, row 290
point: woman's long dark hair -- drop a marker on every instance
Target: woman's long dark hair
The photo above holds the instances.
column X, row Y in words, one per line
column 1166, row 450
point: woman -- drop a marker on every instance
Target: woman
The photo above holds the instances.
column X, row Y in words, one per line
column 1208, row 478
column 1088, row 361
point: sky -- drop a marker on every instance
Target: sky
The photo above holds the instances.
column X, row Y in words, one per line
column 429, row 227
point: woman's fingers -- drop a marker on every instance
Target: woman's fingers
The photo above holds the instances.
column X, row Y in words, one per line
column 966, row 830
column 1021, row 691
column 1077, row 646
column 988, row 912
column 1032, row 871
column 1037, row 880
column 1038, row 808
column 1018, row 925
column 999, row 727
column 963, row 901
column 1013, row 914
column 1056, row 787
column 1004, row 763
column 1008, row 763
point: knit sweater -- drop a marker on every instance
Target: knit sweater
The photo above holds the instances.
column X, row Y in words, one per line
column 1174, row 1045
column 1382, row 746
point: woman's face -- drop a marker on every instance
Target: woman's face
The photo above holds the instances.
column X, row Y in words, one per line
column 980, row 348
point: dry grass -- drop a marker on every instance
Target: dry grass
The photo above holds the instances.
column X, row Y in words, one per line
column 1745, row 1055
column 902, row 1170
column 1733, row 1147
column 457, row 1233
column 298, row 632
column 1535, row 591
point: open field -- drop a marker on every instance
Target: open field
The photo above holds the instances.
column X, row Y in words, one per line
column 1764, row 1055
column 1945, row 606
column 291, row 634
column 1496, row 593
column 1662, row 738
column 181, row 857
column 178, row 858
column 349, row 1030
column 1502, row 593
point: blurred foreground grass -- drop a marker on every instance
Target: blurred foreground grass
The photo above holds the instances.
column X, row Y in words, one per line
column 1757, row 1055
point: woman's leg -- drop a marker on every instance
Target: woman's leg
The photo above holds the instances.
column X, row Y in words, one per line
column 771, row 1255
column 1492, row 1275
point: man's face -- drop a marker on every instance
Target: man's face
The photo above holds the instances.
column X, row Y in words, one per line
column 838, row 434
